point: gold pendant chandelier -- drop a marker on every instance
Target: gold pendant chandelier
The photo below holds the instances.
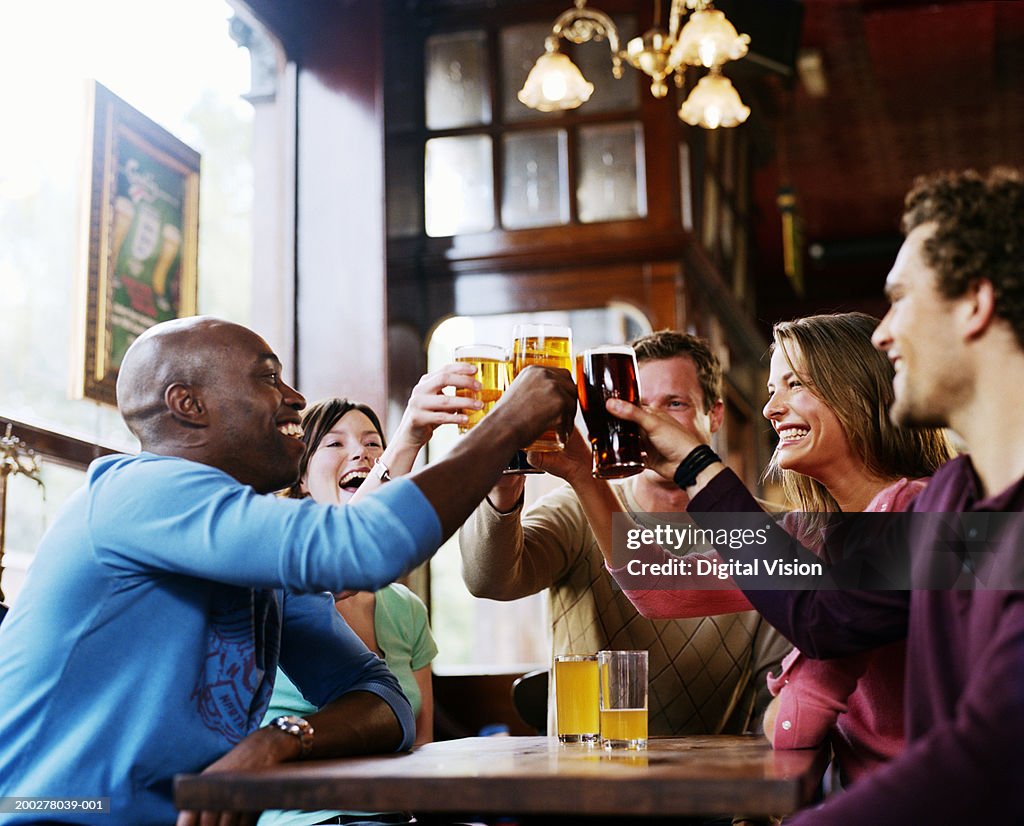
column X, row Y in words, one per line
column 707, row 39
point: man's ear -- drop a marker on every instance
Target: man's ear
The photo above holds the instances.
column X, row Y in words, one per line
column 978, row 308
column 716, row 415
column 185, row 405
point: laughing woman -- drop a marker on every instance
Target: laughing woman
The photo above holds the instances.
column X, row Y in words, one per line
column 346, row 457
column 829, row 391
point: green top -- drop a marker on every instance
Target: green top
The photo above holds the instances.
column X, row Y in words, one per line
column 403, row 634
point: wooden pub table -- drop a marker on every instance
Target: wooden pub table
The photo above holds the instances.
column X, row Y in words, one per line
column 697, row 775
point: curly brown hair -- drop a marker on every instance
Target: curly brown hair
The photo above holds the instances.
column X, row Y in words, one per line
column 979, row 233
column 666, row 344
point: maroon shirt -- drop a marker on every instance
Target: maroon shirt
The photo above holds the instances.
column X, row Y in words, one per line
column 964, row 700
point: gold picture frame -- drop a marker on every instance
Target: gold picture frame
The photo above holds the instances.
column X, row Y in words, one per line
column 142, row 236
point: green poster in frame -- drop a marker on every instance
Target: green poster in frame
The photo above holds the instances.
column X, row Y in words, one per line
column 142, row 236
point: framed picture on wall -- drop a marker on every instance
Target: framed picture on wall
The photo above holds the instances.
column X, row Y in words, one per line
column 142, row 234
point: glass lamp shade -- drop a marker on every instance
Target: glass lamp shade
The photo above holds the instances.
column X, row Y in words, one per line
column 714, row 102
column 555, row 83
column 708, row 39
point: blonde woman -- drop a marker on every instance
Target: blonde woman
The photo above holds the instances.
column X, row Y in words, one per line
column 829, row 391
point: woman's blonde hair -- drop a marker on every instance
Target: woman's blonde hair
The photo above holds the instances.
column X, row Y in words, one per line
column 839, row 364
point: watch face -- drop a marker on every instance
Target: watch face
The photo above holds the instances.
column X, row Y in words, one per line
column 297, row 726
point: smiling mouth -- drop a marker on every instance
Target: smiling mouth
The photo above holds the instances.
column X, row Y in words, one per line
column 789, row 435
column 290, row 429
column 352, row 480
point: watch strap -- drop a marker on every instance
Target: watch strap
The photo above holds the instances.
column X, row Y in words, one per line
column 696, row 460
column 298, row 727
column 380, row 470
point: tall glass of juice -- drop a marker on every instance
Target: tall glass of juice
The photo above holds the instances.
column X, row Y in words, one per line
column 576, row 698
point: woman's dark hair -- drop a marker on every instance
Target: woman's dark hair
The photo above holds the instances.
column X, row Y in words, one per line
column 317, row 422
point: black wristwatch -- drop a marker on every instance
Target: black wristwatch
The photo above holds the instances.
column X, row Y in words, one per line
column 297, row 727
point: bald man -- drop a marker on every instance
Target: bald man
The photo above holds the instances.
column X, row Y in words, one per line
column 145, row 639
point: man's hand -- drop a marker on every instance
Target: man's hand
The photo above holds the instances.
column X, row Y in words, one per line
column 572, row 464
column 666, row 440
column 540, row 398
column 262, row 749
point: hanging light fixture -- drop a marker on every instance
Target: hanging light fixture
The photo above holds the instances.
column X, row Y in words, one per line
column 714, row 102
column 554, row 82
column 708, row 39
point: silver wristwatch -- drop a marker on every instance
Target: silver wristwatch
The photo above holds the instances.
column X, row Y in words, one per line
column 380, row 470
column 298, row 727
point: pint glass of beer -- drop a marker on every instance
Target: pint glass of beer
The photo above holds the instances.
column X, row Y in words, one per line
column 576, row 698
column 491, row 371
column 623, row 682
column 547, row 345
column 610, row 373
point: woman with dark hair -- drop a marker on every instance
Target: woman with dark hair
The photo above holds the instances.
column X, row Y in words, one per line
column 829, row 395
column 346, row 457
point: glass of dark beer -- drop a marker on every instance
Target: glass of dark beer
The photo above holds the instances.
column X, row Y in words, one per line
column 605, row 373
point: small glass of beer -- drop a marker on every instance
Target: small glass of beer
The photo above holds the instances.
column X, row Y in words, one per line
column 547, row 345
column 576, row 698
column 623, row 692
column 491, row 364
column 610, row 373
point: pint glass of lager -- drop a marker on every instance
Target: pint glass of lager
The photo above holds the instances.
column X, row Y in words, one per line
column 623, row 692
column 491, row 371
column 547, row 345
column 576, row 698
column 610, row 373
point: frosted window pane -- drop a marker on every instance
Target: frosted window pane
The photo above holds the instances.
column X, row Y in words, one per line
column 611, row 176
column 458, row 183
column 535, row 191
column 458, row 92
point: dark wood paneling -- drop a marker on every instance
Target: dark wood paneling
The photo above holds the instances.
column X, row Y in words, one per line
column 340, row 260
